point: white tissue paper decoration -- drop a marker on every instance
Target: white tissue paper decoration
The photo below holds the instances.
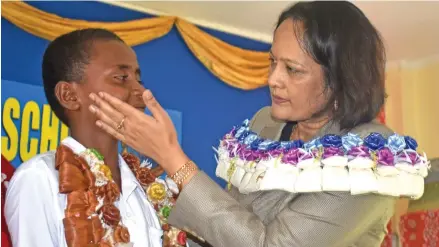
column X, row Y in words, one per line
column 362, row 179
column 239, row 172
column 223, row 163
column 335, row 176
column 410, row 180
column 254, row 183
column 387, row 177
column 310, row 176
column 250, row 168
column 280, row 177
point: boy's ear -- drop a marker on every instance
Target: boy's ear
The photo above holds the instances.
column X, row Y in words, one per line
column 67, row 95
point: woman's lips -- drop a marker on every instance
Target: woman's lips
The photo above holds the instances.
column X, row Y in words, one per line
column 278, row 100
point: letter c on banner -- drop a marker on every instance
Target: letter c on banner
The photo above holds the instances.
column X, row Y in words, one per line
column 30, row 120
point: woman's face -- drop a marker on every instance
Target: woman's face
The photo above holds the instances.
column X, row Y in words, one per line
column 295, row 80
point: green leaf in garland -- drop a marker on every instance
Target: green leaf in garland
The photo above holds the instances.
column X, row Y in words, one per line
column 166, row 211
column 97, row 154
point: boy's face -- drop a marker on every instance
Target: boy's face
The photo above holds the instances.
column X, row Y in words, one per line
column 113, row 69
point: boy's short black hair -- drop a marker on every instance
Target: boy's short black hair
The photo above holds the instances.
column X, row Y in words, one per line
column 65, row 59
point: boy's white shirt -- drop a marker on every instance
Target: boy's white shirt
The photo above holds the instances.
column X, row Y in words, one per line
column 34, row 208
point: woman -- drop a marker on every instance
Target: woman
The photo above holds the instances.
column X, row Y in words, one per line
column 326, row 79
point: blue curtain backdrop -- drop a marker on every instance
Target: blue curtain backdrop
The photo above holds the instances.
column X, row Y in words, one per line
column 179, row 81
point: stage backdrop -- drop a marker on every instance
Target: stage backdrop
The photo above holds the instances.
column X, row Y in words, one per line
column 178, row 80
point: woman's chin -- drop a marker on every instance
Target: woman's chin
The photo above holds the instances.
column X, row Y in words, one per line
column 280, row 113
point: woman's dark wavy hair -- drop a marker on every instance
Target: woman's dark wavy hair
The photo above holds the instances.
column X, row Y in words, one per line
column 339, row 37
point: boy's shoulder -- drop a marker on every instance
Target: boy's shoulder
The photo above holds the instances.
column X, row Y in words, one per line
column 39, row 165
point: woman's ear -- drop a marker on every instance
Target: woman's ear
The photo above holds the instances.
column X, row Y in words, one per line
column 67, row 95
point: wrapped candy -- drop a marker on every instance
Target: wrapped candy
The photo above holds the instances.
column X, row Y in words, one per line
column 331, row 163
column 310, row 175
column 282, row 173
column 335, row 176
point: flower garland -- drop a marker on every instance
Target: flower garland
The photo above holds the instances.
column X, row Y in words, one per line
column 91, row 218
column 329, row 163
column 108, row 213
column 162, row 194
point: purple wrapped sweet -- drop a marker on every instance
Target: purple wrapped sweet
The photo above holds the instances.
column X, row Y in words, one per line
column 385, row 157
column 275, row 153
column 229, row 144
column 360, row 151
column 332, row 151
column 247, row 154
column 307, row 156
column 262, row 155
column 408, row 156
column 235, row 149
column 293, row 156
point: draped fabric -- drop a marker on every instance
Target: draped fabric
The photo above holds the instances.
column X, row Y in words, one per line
column 50, row 26
column 419, row 228
column 7, row 172
column 239, row 68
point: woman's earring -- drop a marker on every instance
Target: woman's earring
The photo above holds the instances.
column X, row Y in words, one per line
column 335, row 105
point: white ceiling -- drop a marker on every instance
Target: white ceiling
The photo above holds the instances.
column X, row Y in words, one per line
column 410, row 29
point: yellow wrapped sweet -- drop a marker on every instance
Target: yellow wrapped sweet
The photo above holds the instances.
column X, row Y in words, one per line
column 156, row 192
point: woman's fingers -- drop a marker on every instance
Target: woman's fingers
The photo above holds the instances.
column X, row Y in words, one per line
column 107, row 128
column 103, row 117
column 156, row 109
column 116, row 106
column 105, row 109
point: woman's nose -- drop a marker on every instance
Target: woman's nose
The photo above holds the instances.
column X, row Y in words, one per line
column 274, row 78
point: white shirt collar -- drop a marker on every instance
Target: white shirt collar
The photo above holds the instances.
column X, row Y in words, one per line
column 129, row 180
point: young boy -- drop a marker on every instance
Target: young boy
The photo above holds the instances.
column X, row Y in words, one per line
column 74, row 65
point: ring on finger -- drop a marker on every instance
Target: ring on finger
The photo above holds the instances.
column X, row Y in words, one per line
column 120, row 126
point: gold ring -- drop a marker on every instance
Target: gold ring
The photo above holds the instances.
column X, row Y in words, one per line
column 120, row 126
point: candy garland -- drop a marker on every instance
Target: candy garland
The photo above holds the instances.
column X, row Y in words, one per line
column 248, row 161
column 91, row 217
column 161, row 193
column 103, row 191
column 107, row 192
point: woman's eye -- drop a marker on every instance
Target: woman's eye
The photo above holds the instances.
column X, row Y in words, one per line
column 272, row 62
column 292, row 70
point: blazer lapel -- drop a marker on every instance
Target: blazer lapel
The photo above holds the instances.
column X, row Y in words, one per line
column 272, row 131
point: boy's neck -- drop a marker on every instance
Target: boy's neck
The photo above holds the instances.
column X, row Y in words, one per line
column 103, row 143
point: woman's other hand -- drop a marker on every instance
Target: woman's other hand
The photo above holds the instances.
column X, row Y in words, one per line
column 154, row 136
